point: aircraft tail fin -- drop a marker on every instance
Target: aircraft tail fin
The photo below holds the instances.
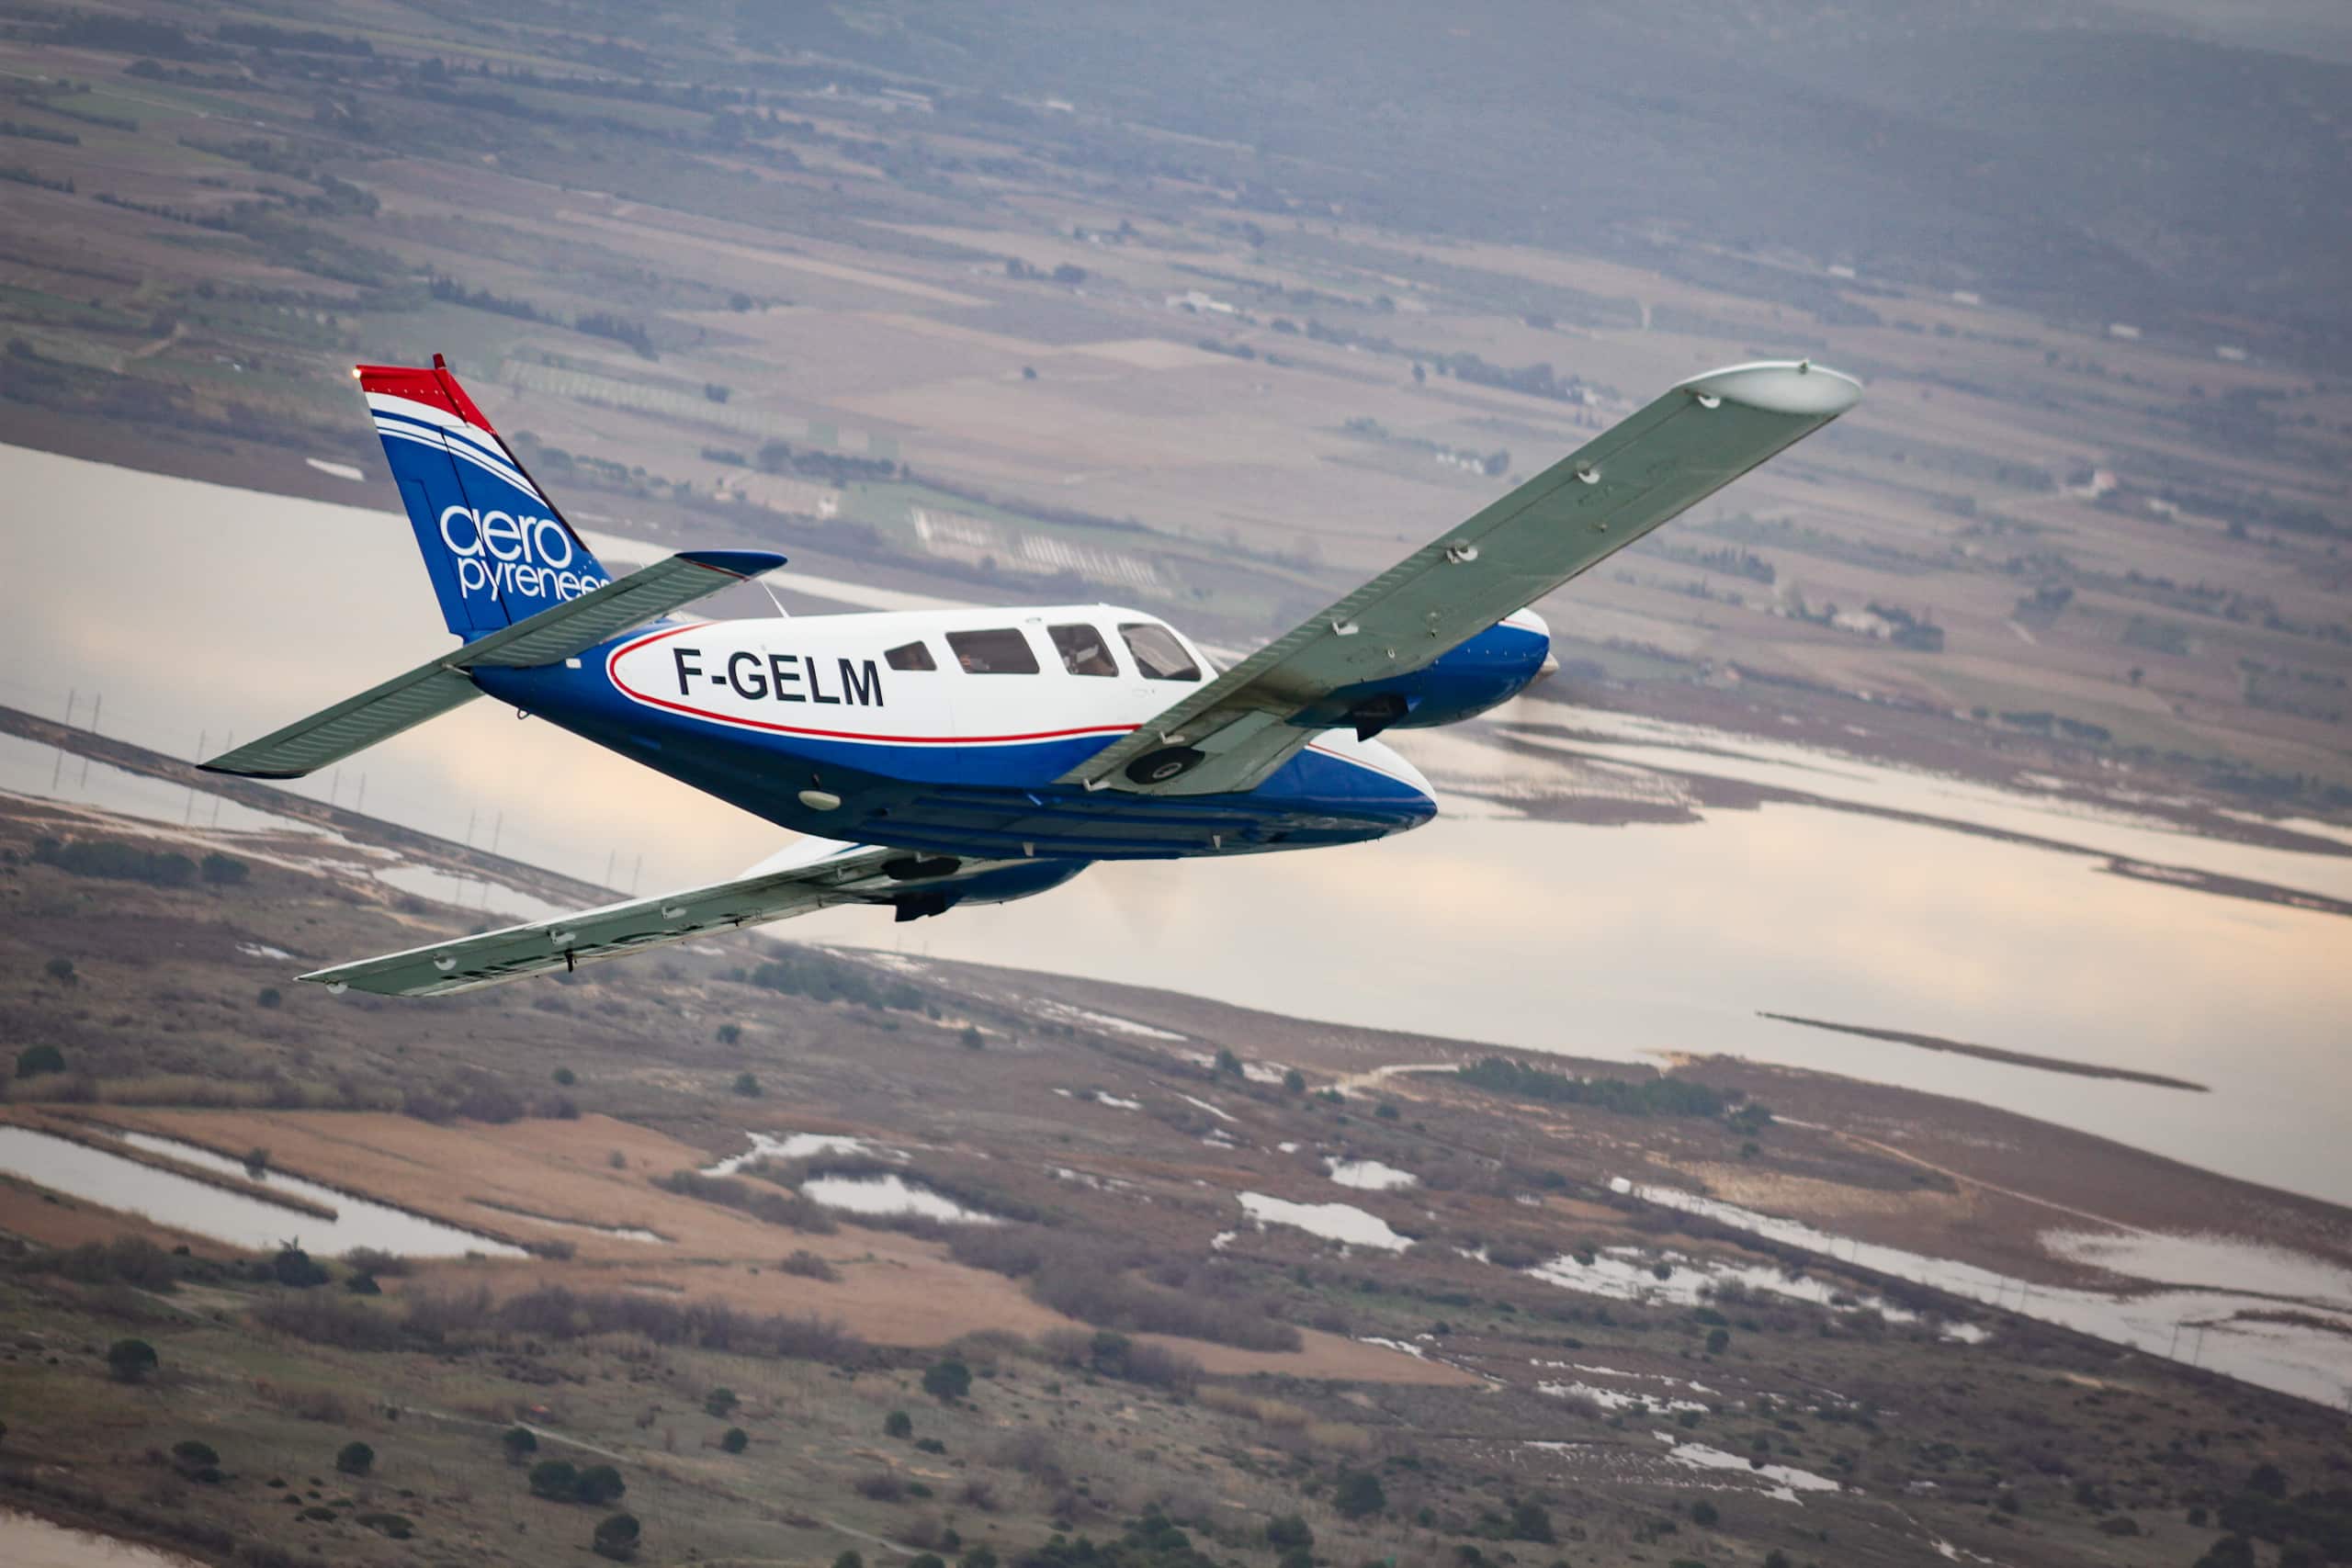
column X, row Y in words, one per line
column 497, row 550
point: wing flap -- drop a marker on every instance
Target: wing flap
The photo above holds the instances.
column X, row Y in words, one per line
column 429, row 690
column 1634, row 476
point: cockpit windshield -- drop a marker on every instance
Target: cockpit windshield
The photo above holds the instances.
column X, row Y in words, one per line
column 1158, row 653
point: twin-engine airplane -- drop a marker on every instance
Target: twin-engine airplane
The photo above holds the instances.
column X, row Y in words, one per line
column 938, row 758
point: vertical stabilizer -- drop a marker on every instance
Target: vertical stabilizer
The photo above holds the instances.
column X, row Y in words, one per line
column 496, row 549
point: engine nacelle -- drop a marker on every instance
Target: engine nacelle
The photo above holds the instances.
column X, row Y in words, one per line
column 1462, row 682
column 938, row 888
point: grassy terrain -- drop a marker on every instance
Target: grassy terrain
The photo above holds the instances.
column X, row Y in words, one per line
column 1138, row 1350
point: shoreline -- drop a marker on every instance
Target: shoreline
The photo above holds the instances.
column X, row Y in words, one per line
column 1989, row 1052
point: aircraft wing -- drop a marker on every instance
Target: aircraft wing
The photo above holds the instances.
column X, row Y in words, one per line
column 429, row 690
column 1617, row 486
column 838, row 874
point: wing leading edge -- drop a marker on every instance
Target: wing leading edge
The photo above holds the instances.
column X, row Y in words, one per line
column 1617, row 486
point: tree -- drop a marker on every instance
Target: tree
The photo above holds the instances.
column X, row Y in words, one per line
column 61, row 971
column 947, row 1381
column 971, row 1037
column 1287, row 1530
column 190, row 1456
column 520, row 1443
column 1358, row 1494
column 747, row 1086
column 130, row 1359
column 1703, row 1515
column 354, row 1459
column 257, row 1162
column 565, row 1077
column 736, row 1441
column 849, row 1560
column 224, row 871
column 1294, row 1081
column 293, row 1267
column 555, row 1480
column 616, row 1537
column 719, row 1402
column 1530, row 1520
column 728, row 1034
column 2267, row 1480
column 35, row 1060
column 898, row 1423
column 600, row 1483
column 1718, row 1340
column 1228, row 1066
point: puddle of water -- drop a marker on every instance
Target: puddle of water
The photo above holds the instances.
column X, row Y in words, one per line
column 2212, row 1263
column 2211, row 1328
column 1370, row 1175
column 184, row 1203
column 30, row 1542
column 1627, row 1274
column 890, row 1195
column 1787, row 1480
column 1334, row 1222
column 796, row 1145
column 1111, row 1021
column 1615, row 1398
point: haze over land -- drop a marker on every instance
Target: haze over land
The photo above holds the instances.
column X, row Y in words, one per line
column 1997, row 737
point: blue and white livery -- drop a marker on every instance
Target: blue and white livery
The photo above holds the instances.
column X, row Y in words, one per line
column 938, row 758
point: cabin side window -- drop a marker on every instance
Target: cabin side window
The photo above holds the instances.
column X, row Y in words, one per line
column 911, row 656
column 1084, row 650
column 1158, row 653
column 999, row 650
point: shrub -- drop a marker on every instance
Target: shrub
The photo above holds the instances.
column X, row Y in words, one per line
column 898, row 1423
column 719, row 1402
column 747, row 1086
column 119, row 861
column 599, row 1484
column 268, row 997
column 736, row 1441
column 395, row 1526
column 519, row 1442
column 35, row 1060
column 971, row 1038
column 130, row 1359
column 1530, row 1521
column 1718, row 1341
column 728, row 1034
column 616, row 1537
column 354, row 1459
column 1287, row 1531
column 257, row 1162
column 294, row 1268
column 1294, row 1081
column 190, row 1455
column 808, row 1266
column 947, row 1381
column 849, row 1560
column 61, row 971
column 565, row 1077
column 1359, row 1493
column 224, row 871
column 556, row 1480
column 881, row 1485
column 1703, row 1515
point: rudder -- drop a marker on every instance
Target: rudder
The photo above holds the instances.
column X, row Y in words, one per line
column 496, row 549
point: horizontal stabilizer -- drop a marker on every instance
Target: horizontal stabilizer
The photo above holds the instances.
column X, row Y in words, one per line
column 844, row 873
column 569, row 628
